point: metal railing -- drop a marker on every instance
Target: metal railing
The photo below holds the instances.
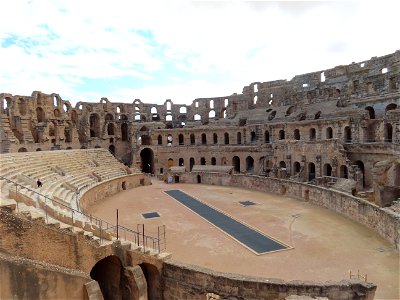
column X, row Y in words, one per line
column 105, row 231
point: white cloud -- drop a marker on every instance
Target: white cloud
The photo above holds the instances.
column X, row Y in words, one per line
column 183, row 50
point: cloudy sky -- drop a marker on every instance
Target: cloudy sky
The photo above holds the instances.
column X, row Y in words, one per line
column 181, row 50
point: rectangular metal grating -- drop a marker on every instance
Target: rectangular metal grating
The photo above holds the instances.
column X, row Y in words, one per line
column 247, row 203
column 151, row 215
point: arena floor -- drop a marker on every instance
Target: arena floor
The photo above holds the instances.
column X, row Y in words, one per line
column 326, row 246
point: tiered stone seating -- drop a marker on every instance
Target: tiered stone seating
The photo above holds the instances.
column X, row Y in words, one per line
column 64, row 174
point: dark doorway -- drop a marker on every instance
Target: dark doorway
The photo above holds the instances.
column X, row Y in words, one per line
column 198, row 179
column 191, row 163
column 152, row 276
column 236, row 164
column 107, row 272
column 147, row 158
column 360, row 165
column 311, row 171
column 112, row 149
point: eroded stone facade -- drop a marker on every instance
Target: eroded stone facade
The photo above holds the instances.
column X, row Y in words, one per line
column 318, row 127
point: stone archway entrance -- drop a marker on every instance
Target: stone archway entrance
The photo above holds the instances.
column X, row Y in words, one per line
column 147, row 159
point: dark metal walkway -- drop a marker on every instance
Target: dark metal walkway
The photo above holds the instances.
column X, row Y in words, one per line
column 254, row 240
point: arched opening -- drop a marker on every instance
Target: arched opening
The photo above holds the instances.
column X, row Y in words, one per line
column 211, row 103
column 213, row 161
column 311, row 171
column 253, row 137
column 211, row 114
column 152, row 275
column 239, row 138
column 266, row 137
column 327, row 170
column 360, row 165
column 296, row 167
column 329, row 133
column 112, row 149
column 123, row 185
column 236, row 164
column 197, row 117
column 40, row 114
column 191, row 163
column 249, row 164
column 170, row 163
column 109, row 117
column 94, row 122
column 347, row 134
column 281, row 134
column 124, row 131
column 22, row 149
column 290, row 110
column 296, row 134
column 203, row 139
column 223, row 160
column 388, row 132
column 180, row 139
column 108, row 272
column 391, row 106
column 110, row 129
column 170, row 139
column 198, row 179
column 181, row 162
column 344, row 173
column 371, row 112
column 215, row 138
column 159, row 139
column 57, row 113
column 192, row 139
column 222, row 114
column 282, row 165
column 147, row 159
column 312, row 134
column 202, row 161
column 38, row 149
column 226, row 138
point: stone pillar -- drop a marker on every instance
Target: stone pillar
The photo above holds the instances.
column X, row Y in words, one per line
column 133, row 284
column 93, row 290
column 318, row 167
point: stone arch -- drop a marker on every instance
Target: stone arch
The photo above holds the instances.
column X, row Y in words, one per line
column 191, row 163
column 239, row 138
column 329, row 133
column 215, row 138
column 147, row 160
column 390, row 106
column 388, row 132
column 327, row 170
column 110, row 129
column 108, row 273
column 281, row 134
column 181, row 162
column 296, row 167
column 311, row 171
column 203, row 161
column 290, row 110
column 109, row 117
column 159, row 139
column 226, row 138
column 124, row 131
column 181, row 139
column 296, row 134
column 153, row 279
column 213, row 161
column 267, row 137
column 5, row 106
column 313, row 134
column 344, row 173
column 236, row 164
column 371, row 112
column 347, row 134
column 192, row 139
column 22, row 149
column 250, row 164
column 203, row 139
column 94, row 122
column 40, row 115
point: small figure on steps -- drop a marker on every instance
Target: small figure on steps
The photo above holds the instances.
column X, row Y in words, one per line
column 39, row 183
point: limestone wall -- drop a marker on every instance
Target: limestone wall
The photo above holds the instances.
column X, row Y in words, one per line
column 28, row 279
column 112, row 187
column 182, row 281
column 383, row 221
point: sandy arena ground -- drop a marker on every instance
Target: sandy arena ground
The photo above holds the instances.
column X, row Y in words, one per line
column 326, row 245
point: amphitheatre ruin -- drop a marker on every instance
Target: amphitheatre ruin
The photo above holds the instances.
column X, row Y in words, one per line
column 289, row 190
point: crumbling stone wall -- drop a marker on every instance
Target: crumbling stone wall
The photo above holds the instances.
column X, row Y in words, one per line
column 182, row 281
